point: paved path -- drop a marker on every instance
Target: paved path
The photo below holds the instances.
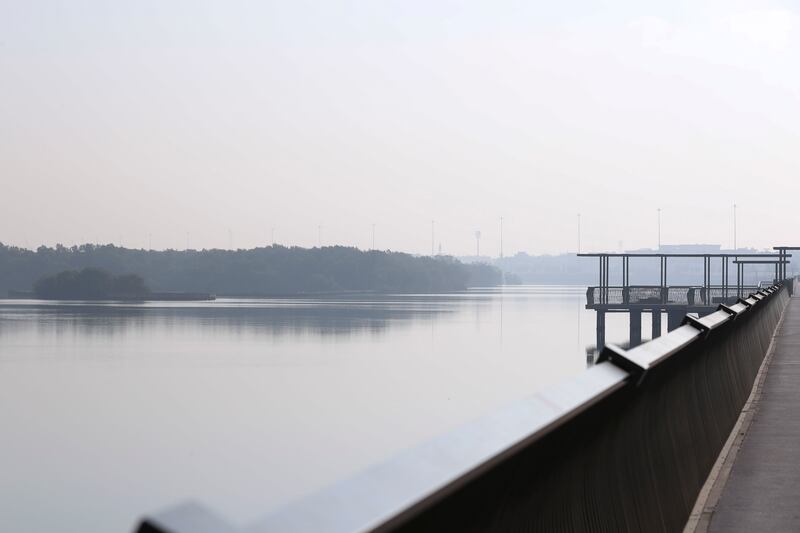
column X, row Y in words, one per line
column 763, row 490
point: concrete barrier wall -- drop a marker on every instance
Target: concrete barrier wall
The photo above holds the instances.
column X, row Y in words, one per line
column 625, row 446
column 636, row 461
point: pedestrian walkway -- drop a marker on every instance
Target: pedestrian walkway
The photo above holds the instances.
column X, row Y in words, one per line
column 762, row 492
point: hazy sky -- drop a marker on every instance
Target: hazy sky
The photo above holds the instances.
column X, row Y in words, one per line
column 120, row 120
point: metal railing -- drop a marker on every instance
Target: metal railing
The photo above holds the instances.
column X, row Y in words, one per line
column 681, row 295
column 624, row 446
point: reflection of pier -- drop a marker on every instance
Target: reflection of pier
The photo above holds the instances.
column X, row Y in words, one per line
column 674, row 300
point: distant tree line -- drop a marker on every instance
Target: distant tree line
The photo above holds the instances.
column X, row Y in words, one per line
column 272, row 270
column 90, row 283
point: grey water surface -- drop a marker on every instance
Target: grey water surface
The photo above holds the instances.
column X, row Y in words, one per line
column 111, row 410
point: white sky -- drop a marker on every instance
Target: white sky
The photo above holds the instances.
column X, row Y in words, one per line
column 121, row 120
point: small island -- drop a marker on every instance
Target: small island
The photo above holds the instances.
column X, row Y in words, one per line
column 99, row 284
column 90, row 284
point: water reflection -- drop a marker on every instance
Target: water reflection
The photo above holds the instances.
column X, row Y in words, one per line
column 321, row 318
column 110, row 410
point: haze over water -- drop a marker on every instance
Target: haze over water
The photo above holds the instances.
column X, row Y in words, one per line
column 113, row 410
column 177, row 150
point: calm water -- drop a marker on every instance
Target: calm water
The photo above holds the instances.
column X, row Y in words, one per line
column 109, row 411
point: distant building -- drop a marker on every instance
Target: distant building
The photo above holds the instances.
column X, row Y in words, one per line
column 690, row 248
column 680, row 249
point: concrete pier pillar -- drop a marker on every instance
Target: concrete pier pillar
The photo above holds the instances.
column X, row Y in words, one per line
column 656, row 323
column 601, row 329
column 636, row 327
column 674, row 318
